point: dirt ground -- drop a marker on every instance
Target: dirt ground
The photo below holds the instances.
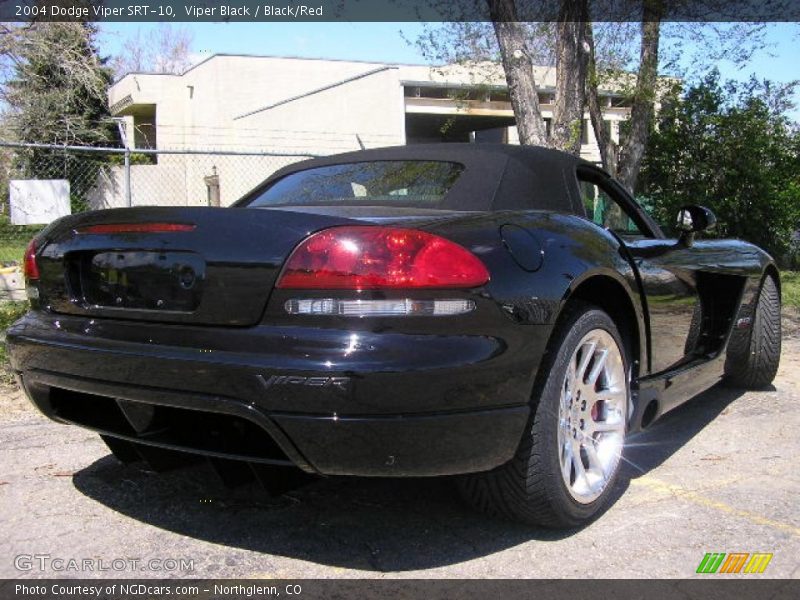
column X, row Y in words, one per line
column 719, row 474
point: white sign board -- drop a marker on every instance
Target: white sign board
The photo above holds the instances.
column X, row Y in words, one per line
column 38, row 201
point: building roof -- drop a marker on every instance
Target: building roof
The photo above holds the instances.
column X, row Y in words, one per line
column 269, row 56
column 483, row 74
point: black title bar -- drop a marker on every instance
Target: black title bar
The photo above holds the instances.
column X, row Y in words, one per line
column 384, row 10
column 707, row 588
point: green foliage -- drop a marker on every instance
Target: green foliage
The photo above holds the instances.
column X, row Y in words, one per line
column 56, row 94
column 731, row 148
column 790, row 288
column 14, row 239
column 9, row 312
column 57, row 90
column 12, row 250
column 137, row 158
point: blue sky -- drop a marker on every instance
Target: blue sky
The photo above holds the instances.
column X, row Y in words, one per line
column 380, row 42
column 383, row 42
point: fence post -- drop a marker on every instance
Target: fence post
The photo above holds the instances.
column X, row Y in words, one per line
column 212, row 187
column 123, row 134
column 128, row 176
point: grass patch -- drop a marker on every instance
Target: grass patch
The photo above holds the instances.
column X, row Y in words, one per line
column 9, row 312
column 12, row 251
column 14, row 239
column 790, row 288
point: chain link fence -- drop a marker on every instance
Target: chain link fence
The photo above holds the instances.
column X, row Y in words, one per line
column 100, row 178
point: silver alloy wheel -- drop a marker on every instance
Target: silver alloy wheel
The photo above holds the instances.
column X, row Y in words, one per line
column 592, row 416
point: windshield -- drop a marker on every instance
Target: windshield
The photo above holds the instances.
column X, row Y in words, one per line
column 379, row 183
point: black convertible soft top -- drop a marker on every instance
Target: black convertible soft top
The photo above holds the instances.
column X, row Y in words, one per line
column 495, row 177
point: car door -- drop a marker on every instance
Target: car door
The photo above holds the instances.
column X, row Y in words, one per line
column 667, row 268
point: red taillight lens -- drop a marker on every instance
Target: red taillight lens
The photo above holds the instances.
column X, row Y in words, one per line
column 135, row 228
column 30, row 269
column 370, row 258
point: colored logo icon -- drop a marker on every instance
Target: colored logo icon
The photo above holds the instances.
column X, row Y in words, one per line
column 735, row 562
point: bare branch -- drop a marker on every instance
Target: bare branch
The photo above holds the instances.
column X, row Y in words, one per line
column 165, row 49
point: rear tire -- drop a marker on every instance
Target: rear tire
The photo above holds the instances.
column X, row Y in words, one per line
column 754, row 355
column 568, row 461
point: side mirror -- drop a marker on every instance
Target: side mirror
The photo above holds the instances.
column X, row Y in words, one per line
column 693, row 219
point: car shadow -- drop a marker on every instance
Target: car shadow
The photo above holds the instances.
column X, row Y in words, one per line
column 647, row 450
column 383, row 525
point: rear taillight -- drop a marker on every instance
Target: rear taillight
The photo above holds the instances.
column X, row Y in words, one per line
column 110, row 228
column 372, row 258
column 30, row 268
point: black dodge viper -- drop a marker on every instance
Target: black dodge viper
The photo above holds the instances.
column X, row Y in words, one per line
column 504, row 314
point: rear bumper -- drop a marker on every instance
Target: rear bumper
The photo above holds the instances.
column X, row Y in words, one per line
column 385, row 404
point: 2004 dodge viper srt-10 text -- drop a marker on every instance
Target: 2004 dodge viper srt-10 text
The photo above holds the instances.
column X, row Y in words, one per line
column 505, row 314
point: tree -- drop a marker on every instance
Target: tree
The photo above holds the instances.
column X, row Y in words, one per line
column 56, row 93
column 518, row 46
column 624, row 162
column 663, row 48
column 627, row 56
column 57, row 88
column 162, row 50
column 518, row 68
column 730, row 147
column 571, row 59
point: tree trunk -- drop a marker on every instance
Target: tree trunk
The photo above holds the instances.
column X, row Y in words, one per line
column 644, row 96
column 518, row 68
column 608, row 148
column 571, row 63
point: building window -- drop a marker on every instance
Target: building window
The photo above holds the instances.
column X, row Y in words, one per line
column 621, row 101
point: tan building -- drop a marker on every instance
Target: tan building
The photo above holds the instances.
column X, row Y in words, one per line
column 308, row 106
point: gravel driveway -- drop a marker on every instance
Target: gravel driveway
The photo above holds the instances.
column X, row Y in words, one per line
column 717, row 475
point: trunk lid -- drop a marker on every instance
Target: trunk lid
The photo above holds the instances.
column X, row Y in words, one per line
column 219, row 271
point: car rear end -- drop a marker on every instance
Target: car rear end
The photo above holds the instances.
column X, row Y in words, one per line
column 365, row 341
